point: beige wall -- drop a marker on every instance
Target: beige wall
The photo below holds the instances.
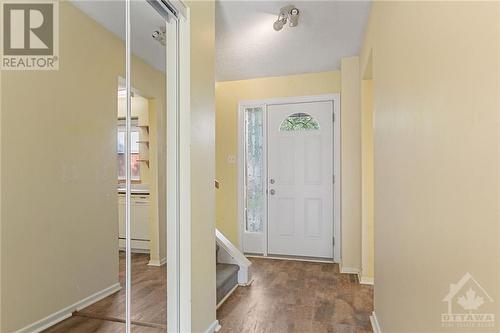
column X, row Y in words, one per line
column 351, row 166
column 367, row 181
column 151, row 85
column 203, row 299
column 437, row 154
column 157, row 218
column 228, row 94
column 1, row 219
column 58, row 173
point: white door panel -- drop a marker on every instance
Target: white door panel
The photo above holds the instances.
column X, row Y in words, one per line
column 300, row 175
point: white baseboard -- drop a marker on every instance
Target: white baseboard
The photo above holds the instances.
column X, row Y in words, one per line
column 246, row 284
column 157, row 263
column 136, row 250
column 97, row 297
column 348, row 270
column 337, row 259
column 375, row 324
column 214, row 327
column 227, row 296
column 304, row 259
column 67, row 311
column 365, row 280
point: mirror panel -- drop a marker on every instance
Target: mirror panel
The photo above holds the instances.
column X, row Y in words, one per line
column 64, row 220
column 148, row 198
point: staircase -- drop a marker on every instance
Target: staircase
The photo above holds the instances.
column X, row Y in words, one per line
column 227, row 278
column 232, row 267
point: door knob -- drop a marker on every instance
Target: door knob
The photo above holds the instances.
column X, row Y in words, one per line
column 272, row 192
column 272, row 181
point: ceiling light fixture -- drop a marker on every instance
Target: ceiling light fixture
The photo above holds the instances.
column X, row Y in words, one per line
column 159, row 36
column 287, row 14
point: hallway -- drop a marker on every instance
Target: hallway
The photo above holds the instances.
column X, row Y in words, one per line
column 294, row 296
column 285, row 296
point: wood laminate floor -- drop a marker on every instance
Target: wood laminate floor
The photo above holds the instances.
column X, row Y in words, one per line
column 77, row 324
column 293, row 296
column 286, row 296
column 149, row 294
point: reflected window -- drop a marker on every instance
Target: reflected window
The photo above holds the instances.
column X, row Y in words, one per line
column 299, row 122
column 134, row 153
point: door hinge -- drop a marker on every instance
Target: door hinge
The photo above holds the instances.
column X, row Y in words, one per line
column 333, row 178
column 333, row 116
column 333, row 241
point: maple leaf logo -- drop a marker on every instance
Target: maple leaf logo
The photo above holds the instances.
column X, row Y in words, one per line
column 470, row 301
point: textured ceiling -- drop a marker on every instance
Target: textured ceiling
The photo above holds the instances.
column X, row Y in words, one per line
column 248, row 47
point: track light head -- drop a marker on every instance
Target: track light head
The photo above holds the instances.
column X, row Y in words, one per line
column 160, row 36
column 287, row 14
column 294, row 17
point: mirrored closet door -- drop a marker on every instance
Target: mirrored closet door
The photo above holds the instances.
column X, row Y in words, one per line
column 84, row 222
column 148, row 189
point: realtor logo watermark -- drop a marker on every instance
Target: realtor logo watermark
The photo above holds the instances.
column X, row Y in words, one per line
column 30, row 35
column 466, row 300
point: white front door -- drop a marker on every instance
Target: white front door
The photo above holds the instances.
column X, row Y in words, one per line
column 300, row 179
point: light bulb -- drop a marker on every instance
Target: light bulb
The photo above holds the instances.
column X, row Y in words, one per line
column 278, row 25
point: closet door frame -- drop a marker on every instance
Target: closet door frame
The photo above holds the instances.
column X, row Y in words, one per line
column 178, row 172
column 178, row 184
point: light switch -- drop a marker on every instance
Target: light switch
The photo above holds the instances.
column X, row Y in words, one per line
column 231, row 159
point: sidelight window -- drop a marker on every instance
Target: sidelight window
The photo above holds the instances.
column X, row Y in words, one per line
column 254, row 169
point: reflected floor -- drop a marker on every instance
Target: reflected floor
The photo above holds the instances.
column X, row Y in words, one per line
column 77, row 324
column 149, row 294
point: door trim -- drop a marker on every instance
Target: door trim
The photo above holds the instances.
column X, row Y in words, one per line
column 264, row 103
column 178, row 178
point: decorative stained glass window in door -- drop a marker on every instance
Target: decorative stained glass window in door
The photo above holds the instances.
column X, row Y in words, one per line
column 254, row 170
column 299, row 122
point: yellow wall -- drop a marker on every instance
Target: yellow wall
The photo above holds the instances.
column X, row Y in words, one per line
column 203, row 296
column 150, row 83
column 58, row 173
column 228, row 94
column 147, row 112
column 1, row 219
column 436, row 91
column 351, row 166
column 367, row 180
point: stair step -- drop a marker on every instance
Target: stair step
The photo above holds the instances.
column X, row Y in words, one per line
column 227, row 279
